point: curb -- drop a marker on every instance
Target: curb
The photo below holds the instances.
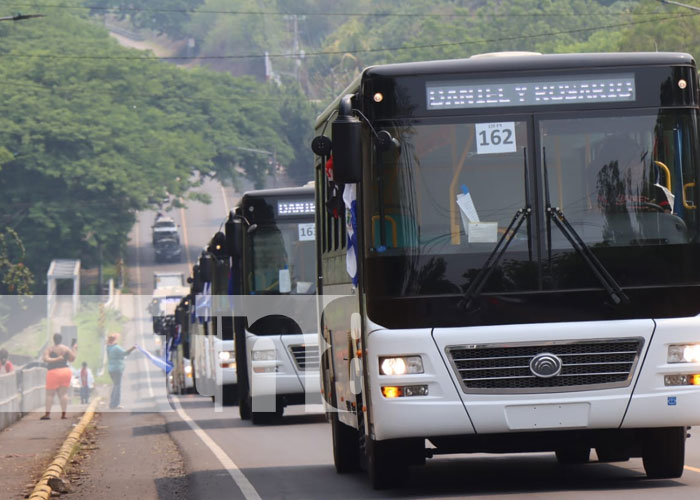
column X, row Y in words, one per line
column 42, row 491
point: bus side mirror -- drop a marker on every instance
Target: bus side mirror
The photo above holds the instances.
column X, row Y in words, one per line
column 205, row 267
column 232, row 228
column 347, row 149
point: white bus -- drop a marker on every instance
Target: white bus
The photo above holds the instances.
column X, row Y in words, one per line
column 525, row 234
column 212, row 352
column 270, row 236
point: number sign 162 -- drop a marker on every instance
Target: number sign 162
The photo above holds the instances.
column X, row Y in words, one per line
column 495, row 138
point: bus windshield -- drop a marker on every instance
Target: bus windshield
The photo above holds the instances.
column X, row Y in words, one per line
column 283, row 259
column 624, row 180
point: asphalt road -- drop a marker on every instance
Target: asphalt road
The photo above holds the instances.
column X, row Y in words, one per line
column 228, row 458
column 293, row 460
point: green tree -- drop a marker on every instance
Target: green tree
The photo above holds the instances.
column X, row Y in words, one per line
column 296, row 126
column 92, row 133
column 15, row 277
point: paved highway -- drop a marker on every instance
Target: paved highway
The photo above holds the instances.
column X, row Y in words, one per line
column 229, row 458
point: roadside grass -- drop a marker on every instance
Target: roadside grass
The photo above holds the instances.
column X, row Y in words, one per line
column 29, row 341
column 91, row 340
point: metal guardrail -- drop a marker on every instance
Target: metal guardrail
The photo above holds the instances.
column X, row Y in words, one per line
column 10, row 399
column 21, row 392
column 33, row 388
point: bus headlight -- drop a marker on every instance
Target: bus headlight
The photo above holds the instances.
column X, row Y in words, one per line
column 684, row 353
column 264, row 355
column 226, row 355
column 188, row 370
column 401, row 365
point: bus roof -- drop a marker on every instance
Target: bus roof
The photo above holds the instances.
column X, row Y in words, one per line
column 279, row 192
column 532, row 62
column 511, row 62
column 266, row 205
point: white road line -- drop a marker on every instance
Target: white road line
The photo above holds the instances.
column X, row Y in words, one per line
column 694, row 469
column 238, row 477
column 139, row 308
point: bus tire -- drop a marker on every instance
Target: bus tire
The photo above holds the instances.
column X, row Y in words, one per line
column 573, row 455
column 194, row 379
column 663, row 452
column 245, row 404
column 266, row 417
column 383, row 466
column 229, row 395
column 346, row 446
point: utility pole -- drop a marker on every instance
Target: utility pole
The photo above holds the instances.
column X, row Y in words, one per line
column 298, row 55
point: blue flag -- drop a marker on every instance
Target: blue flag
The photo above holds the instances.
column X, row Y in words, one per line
column 202, row 304
column 160, row 363
column 350, row 199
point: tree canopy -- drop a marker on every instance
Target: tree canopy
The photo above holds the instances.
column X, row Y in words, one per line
column 91, row 133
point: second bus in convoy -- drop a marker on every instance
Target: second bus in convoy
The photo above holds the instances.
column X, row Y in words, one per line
column 271, row 240
column 522, row 235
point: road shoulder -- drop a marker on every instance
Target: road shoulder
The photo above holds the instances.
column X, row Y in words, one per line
column 134, row 457
column 26, row 449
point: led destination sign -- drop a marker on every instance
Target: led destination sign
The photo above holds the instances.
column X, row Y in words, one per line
column 295, row 207
column 535, row 92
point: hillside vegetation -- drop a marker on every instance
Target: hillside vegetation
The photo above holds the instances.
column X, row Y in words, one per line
column 91, row 132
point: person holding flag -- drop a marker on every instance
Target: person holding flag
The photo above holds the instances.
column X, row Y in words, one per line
column 164, row 364
column 115, row 366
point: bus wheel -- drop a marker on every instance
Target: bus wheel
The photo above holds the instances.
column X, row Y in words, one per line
column 266, row 417
column 194, row 380
column 383, row 466
column 573, row 455
column 346, row 446
column 244, row 402
column 663, row 452
column 229, row 395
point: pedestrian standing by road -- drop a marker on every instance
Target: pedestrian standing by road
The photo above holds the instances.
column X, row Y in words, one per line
column 5, row 364
column 58, row 374
column 87, row 382
column 115, row 366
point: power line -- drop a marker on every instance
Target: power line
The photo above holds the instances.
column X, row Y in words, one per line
column 123, row 9
column 72, row 90
column 358, row 51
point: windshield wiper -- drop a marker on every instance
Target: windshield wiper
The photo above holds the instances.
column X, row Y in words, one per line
column 557, row 216
column 478, row 283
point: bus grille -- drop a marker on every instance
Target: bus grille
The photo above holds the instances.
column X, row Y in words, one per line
column 305, row 356
column 586, row 365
